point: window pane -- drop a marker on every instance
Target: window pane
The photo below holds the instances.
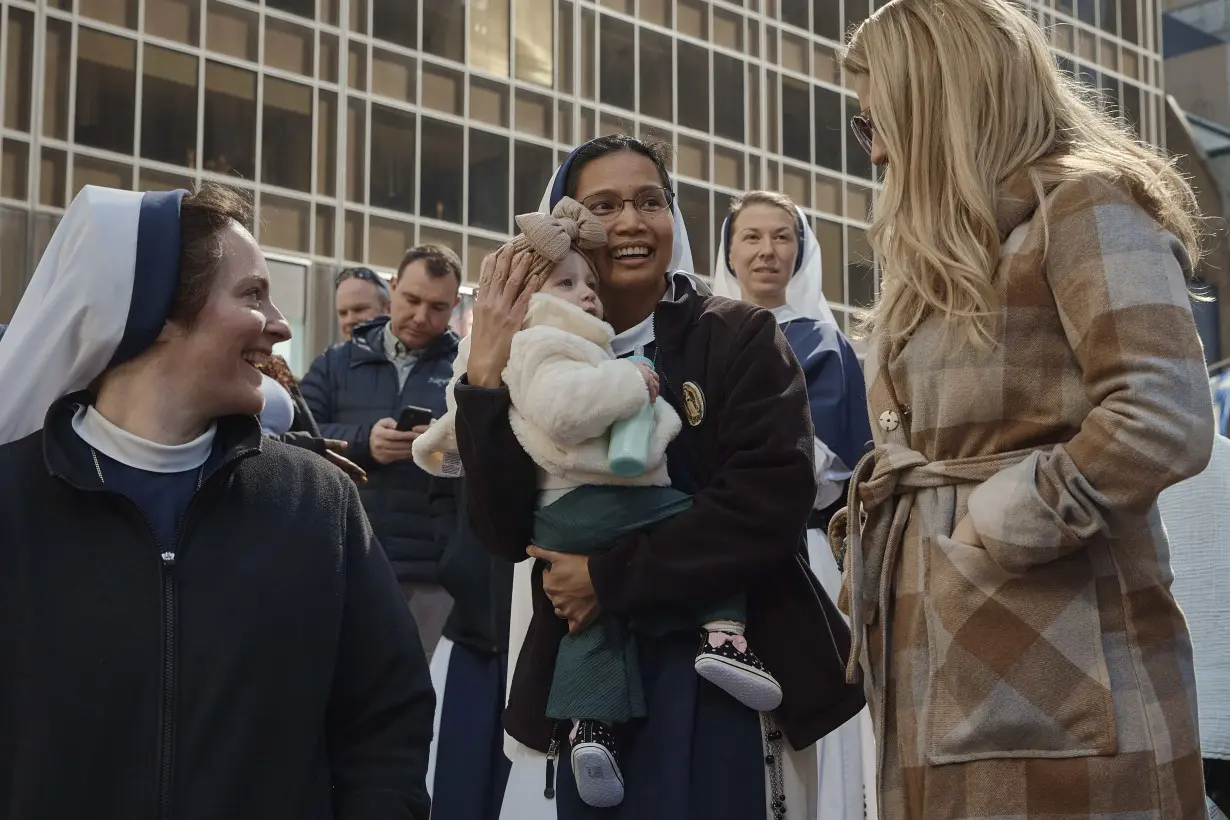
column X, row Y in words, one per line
column 116, row 12
column 727, row 29
column 728, row 99
column 657, row 77
column 356, row 69
column 1129, row 21
column 829, row 125
column 389, row 242
column 106, row 90
column 285, row 223
column 752, row 105
column 57, row 68
column 232, row 31
column 563, row 80
column 14, row 169
column 290, row 47
column 534, row 115
column 178, row 20
column 796, row 119
column 14, row 270
column 230, row 120
column 353, row 235
column 327, row 69
column 856, row 12
column 535, row 49
column 151, row 180
column 397, row 21
column 589, row 25
column 303, row 8
column 358, row 25
column 444, row 29
column 488, row 194
column 1109, row 17
column 324, row 232
column 532, row 169
column 489, row 36
column 828, row 234
column 326, row 143
column 392, row 171
column 860, row 268
column 443, row 89
column 489, row 102
column 692, row 18
column 53, row 176
column 858, row 163
column 443, row 161
column 394, row 75
column 616, row 62
column 728, row 167
column 694, row 105
column 286, row 128
column 93, row 171
column 19, row 70
column 168, row 107
column 356, row 153
column 794, row 12
column 694, row 203
column 692, row 158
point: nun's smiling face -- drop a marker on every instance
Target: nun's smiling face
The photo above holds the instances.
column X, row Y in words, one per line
column 235, row 330
column 639, row 244
column 764, row 243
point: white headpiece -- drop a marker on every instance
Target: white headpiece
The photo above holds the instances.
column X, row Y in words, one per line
column 99, row 296
column 804, row 294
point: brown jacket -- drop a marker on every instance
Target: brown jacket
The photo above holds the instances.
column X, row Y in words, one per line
column 746, row 444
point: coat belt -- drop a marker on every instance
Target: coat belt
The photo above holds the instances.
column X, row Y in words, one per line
column 870, row 529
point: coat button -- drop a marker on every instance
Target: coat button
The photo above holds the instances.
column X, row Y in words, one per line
column 890, row 420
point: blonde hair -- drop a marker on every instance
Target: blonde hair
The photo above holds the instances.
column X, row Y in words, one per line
column 965, row 95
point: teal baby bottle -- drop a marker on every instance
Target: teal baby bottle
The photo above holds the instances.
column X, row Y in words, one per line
column 628, row 454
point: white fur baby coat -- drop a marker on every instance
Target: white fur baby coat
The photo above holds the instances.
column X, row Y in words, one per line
column 567, row 389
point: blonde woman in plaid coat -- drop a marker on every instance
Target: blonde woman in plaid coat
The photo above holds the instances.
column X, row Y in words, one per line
column 1035, row 382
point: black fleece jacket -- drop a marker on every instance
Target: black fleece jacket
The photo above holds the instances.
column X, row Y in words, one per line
column 262, row 667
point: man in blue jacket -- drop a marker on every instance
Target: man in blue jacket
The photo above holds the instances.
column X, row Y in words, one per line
column 357, row 390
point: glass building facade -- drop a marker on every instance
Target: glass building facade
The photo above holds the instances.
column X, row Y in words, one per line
column 362, row 127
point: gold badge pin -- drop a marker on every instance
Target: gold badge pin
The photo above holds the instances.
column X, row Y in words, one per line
column 693, row 403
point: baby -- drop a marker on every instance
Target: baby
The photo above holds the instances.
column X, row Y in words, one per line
column 567, row 390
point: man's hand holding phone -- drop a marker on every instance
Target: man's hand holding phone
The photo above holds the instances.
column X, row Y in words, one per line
column 391, row 440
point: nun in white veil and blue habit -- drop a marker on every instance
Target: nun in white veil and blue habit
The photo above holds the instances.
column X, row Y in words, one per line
column 728, row 372
column 195, row 620
column 769, row 256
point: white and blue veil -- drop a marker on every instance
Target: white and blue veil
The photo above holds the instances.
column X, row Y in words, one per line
column 99, row 297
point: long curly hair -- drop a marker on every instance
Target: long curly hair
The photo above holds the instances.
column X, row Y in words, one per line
column 966, row 97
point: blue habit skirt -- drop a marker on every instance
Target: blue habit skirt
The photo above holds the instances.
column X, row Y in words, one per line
column 471, row 770
column 697, row 756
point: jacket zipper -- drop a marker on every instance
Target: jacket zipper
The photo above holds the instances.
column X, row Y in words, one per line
column 166, row 718
column 167, row 558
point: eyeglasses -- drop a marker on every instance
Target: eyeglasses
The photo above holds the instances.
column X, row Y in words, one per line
column 864, row 128
column 608, row 206
column 366, row 274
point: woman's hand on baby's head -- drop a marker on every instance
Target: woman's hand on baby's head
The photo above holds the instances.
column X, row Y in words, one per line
column 651, row 380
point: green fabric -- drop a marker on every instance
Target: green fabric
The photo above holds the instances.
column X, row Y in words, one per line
column 597, row 672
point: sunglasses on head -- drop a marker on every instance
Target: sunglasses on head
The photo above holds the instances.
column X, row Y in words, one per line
column 366, row 274
column 864, row 128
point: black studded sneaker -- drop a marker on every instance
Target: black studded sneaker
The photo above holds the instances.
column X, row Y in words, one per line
column 595, row 765
column 739, row 674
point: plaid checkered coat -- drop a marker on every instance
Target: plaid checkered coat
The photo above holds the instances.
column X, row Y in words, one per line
column 1047, row 674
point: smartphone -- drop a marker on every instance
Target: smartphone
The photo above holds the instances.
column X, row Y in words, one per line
column 412, row 417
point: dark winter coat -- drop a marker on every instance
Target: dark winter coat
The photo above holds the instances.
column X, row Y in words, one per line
column 349, row 388
column 262, row 667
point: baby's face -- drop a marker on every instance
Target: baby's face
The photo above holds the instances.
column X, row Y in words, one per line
column 574, row 281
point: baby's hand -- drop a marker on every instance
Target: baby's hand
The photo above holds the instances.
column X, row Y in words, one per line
column 651, row 380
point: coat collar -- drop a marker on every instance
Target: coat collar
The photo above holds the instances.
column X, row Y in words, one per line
column 1016, row 202
column 367, row 343
column 66, row 455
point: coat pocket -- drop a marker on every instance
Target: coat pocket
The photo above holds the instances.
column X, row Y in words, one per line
column 1016, row 664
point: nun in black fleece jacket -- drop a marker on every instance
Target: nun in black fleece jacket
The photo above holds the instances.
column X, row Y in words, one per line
column 196, row 622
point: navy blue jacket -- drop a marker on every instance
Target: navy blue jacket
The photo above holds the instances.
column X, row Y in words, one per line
column 349, row 388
